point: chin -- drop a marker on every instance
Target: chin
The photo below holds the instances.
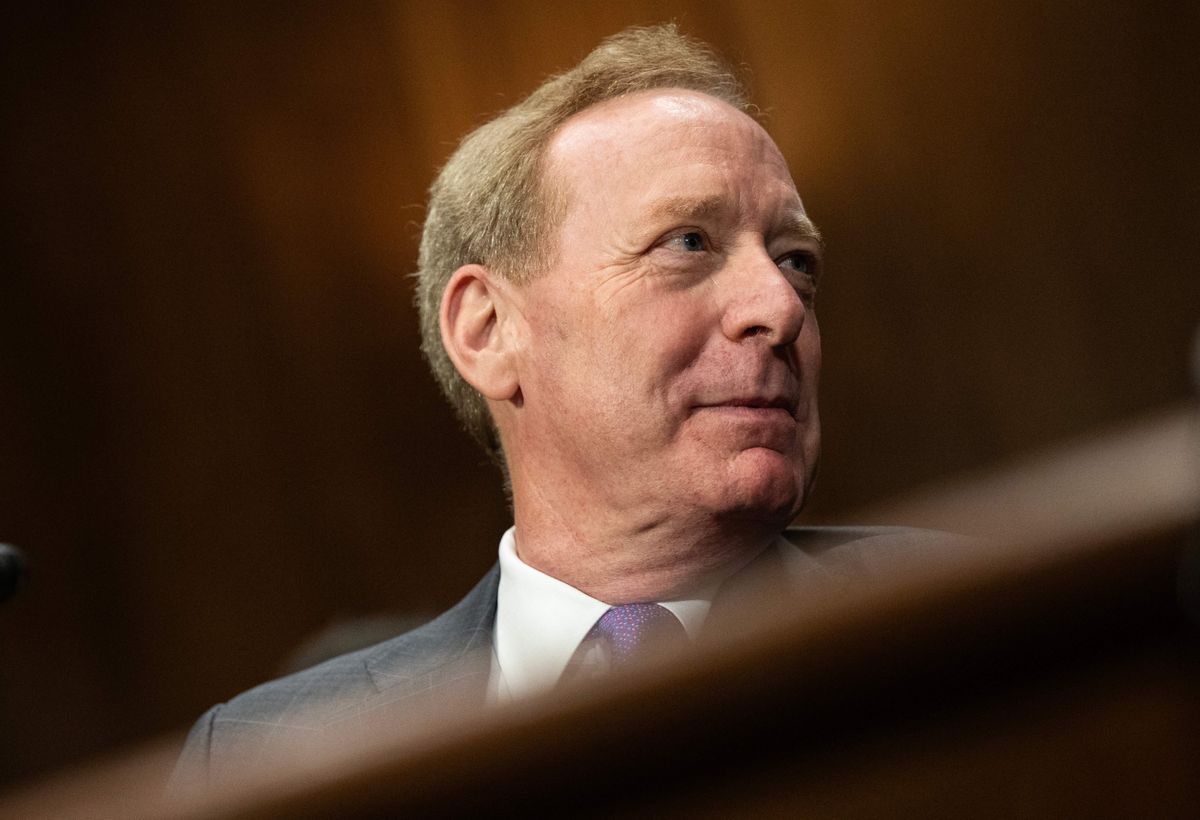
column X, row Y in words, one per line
column 762, row 485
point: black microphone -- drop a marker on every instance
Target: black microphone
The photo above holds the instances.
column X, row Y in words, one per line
column 12, row 571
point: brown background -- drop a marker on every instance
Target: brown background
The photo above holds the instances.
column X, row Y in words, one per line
column 216, row 434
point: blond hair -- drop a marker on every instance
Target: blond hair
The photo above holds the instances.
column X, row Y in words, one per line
column 490, row 205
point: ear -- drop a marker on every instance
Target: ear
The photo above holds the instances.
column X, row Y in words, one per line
column 473, row 319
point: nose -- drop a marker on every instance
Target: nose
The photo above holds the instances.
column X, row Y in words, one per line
column 760, row 301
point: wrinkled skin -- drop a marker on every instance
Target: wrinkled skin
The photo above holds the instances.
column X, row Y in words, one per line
column 664, row 425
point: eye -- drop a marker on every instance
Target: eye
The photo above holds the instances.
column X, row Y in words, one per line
column 690, row 241
column 801, row 262
column 801, row 268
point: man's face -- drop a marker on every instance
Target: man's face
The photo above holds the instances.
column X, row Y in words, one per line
column 672, row 353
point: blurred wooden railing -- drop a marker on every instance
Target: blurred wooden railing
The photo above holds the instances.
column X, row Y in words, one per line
column 1051, row 671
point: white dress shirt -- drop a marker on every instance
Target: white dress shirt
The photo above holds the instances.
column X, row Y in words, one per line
column 540, row 622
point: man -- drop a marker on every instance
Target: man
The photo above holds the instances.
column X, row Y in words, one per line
column 616, row 290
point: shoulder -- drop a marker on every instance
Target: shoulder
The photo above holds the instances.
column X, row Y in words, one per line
column 285, row 713
column 816, row 540
column 325, row 693
column 293, row 710
column 306, row 699
column 859, row 551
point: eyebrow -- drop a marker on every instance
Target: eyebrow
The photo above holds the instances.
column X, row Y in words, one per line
column 790, row 223
column 797, row 224
column 686, row 206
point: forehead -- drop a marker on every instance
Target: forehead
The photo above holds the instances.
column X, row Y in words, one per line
column 666, row 142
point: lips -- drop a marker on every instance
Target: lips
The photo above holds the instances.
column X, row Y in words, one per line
column 764, row 403
column 785, row 403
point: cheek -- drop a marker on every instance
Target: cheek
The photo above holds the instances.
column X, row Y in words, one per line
column 625, row 365
column 676, row 331
column 655, row 341
column 553, row 373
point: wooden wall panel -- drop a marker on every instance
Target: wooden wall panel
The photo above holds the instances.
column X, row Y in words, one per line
column 218, row 435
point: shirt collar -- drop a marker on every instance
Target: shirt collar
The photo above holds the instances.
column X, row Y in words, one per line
column 541, row 620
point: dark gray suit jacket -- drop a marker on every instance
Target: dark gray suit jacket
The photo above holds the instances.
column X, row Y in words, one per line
column 447, row 658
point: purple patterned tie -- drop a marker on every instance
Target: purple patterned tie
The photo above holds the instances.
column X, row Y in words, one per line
column 633, row 632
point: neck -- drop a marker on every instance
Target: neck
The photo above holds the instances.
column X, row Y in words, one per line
column 625, row 556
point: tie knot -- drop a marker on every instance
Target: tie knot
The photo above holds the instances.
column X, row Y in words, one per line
column 633, row 632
